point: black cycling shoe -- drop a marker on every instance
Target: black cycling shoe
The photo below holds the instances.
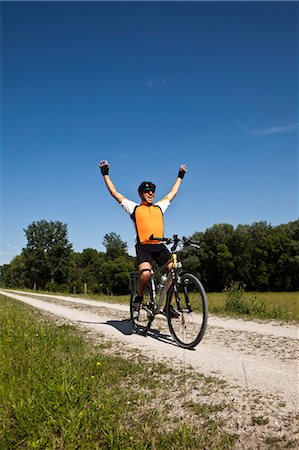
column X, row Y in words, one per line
column 137, row 302
column 173, row 313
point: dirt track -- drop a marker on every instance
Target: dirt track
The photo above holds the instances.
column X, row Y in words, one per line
column 259, row 360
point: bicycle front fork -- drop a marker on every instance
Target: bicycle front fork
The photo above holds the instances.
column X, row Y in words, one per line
column 185, row 299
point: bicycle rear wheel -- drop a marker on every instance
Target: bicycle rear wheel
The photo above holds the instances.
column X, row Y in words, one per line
column 142, row 319
column 188, row 299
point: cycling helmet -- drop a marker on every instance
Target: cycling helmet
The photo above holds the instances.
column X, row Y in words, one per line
column 146, row 186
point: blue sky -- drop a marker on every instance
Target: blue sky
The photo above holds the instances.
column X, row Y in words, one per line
column 148, row 86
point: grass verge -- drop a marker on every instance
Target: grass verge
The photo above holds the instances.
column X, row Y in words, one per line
column 58, row 390
column 281, row 306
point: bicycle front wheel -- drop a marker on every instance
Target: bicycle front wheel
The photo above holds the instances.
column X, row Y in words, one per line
column 142, row 318
column 187, row 311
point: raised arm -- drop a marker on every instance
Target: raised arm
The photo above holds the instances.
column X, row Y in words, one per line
column 104, row 166
column 175, row 188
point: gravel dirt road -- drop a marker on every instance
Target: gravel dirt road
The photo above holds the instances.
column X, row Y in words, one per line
column 257, row 360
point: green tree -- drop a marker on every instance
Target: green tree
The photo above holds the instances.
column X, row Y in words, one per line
column 47, row 254
column 285, row 268
column 86, row 268
column 115, row 247
column 115, row 275
column 243, row 255
column 293, row 252
column 3, row 271
column 13, row 275
column 219, row 264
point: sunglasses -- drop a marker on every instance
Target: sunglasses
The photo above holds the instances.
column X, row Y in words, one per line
column 149, row 190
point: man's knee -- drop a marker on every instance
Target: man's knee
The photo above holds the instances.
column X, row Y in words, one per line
column 169, row 266
column 145, row 274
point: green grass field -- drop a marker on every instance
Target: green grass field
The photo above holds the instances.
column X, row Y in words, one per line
column 61, row 391
column 262, row 305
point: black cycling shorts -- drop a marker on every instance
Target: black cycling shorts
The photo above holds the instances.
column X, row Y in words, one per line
column 148, row 252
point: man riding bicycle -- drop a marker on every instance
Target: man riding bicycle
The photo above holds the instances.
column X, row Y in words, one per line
column 147, row 217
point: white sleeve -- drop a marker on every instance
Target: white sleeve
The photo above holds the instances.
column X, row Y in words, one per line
column 128, row 205
column 163, row 204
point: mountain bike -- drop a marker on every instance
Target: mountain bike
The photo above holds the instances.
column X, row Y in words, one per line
column 186, row 306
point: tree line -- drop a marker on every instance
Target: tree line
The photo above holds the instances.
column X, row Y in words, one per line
column 260, row 256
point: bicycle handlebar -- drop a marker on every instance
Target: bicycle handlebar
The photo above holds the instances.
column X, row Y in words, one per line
column 175, row 240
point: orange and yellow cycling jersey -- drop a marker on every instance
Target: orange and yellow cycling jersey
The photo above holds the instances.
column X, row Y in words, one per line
column 147, row 219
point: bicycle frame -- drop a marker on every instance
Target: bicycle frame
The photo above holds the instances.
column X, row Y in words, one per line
column 170, row 278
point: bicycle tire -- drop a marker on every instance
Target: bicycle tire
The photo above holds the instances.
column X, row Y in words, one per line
column 142, row 319
column 189, row 300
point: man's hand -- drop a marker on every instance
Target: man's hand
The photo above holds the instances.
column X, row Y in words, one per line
column 182, row 171
column 104, row 166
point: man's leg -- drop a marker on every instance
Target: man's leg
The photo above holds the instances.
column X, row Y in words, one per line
column 145, row 269
column 143, row 277
column 169, row 267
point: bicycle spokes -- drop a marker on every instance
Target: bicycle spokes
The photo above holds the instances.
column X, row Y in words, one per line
column 188, row 298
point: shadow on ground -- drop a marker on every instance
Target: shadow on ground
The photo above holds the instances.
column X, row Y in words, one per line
column 125, row 327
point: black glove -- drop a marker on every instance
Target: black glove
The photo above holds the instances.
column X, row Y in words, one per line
column 104, row 166
column 182, row 171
